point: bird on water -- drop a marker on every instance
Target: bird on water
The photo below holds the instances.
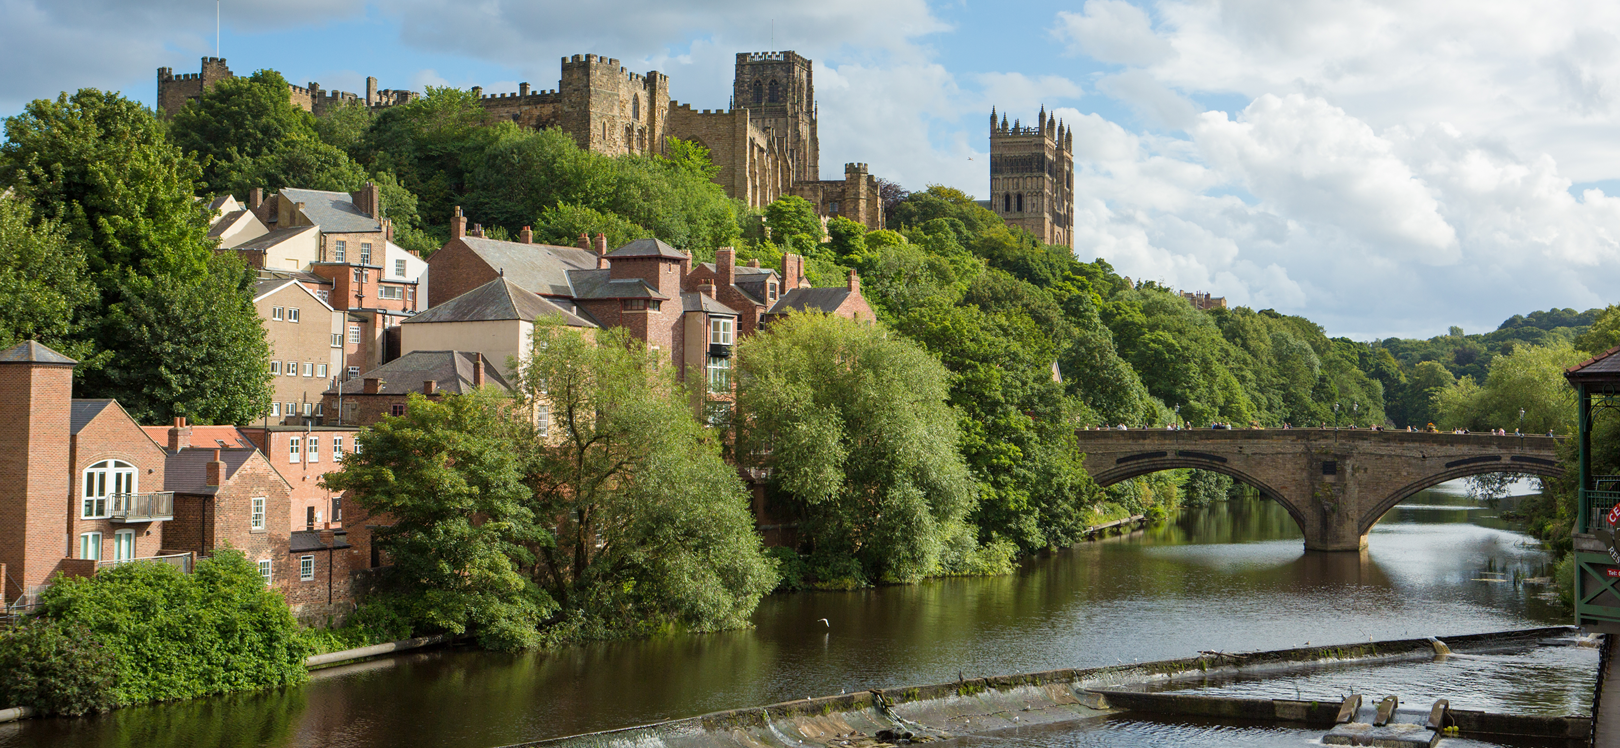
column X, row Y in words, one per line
column 824, row 622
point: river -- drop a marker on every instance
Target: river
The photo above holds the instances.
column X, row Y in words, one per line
column 1231, row 576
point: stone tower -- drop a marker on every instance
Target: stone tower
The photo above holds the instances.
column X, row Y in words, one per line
column 778, row 90
column 611, row 110
column 1032, row 176
column 175, row 90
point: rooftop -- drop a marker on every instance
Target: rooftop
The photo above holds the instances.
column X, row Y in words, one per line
column 647, row 248
column 334, row 212
column 205, row 437
column 499, row 299
column 451, row 371
column 186, row 471
column 33, row 352
column 537, row 268
column 811, row 299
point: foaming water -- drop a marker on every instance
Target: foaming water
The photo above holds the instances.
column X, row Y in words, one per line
column 1229, row 577
column 1121, row 732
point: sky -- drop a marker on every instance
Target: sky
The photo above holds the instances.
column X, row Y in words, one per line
column 1383, row 168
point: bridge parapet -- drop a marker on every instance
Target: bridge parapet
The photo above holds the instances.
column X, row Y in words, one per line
column 1336, row 483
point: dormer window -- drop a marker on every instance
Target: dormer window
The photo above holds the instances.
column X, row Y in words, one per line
column 770, row 290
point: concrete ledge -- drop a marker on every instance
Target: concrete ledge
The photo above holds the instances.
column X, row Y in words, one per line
column 1315, row 713
column 348, row 655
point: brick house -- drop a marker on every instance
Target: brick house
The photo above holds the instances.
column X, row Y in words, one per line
column 121, row 493
column 303, row 455
column 230, row 496
column 495, row 320
column 384, row 391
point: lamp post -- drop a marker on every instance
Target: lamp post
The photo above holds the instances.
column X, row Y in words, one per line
column 1178, row 415
column 1355, row 407
column 1335, row 415
column 1520, row 429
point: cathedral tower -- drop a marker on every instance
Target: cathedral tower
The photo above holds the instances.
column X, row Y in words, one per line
column 1032, row 176
column 778, row 90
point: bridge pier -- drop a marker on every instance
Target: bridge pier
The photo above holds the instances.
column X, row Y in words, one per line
column 1332, row 513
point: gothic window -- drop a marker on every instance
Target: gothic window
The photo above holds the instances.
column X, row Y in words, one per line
column 1020, row 202
column 774, row 97
column 1006, row 203
column 759, row 92
column 635, row 108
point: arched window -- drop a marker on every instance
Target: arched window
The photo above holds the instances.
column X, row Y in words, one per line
column 773, row 96
column 759, row 92
column 635, row 107
column 104, row 479
column 1006, row 203
column 1020, row 202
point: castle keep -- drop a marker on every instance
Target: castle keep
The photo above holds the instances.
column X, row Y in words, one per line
column 1032, row 176
column 765, row 145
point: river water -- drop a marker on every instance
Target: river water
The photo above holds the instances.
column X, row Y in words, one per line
column 1231, row 577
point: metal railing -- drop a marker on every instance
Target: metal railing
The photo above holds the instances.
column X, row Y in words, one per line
column 181, row 561
column 141, row 507
column 1602, row 497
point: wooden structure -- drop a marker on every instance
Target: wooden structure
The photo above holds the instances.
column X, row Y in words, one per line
column 1597, row 561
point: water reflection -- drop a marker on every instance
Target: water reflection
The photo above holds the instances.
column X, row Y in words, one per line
column 1228, row 577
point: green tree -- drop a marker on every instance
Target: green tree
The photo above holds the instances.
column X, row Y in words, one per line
column 793, row 220
column 1532, row 379
column 242, row 118
column 56, row 668
column 178, row 636
column 855, row 426
column 187, row 347
column 44, row 292
column 1604, row 333
column 652, row 527
column 449, row 478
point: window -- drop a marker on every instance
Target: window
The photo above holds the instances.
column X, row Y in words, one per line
column 275, row 368
column 410, row 295
column 719, row 374
column 1006, row 203
column 292, row 314
column 354, row 371
column 365, row 253
column 770, row 289
column 275, row 410
column 542, row 420
column 773, row 96
column 337, row 340
column 312, row 449
column 90, row 546
column 323, row 295
column 257, row 520
column 306, row 568
column 399, row 268
column 635, row 305
column 397, row 409
column 309, row 368
column 292, row 368
column 276, row 313
column 759, row 92
column 308, row 408
column 104, row 478
column 359, row 275
column 337, row 509
column 340, row 251
column 337, row 448
column 716, row 413
column 354, row 335
column 832, row 207
column 292, row 409
column 320, row 370
column 390, row 292
column 721, row 330
column 124, row 545
column 1020, row 202
column 320, row 409
column 264, row 571
column 635, row 107
column 292, row 447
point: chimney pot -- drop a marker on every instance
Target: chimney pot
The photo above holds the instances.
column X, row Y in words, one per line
column 585, row 241
column 179, row 435
column 601, row 243
column 372, row 385
column 526, row 235
column 429, row 386
column 214, row 473
column 754, row 263
column 853, row 283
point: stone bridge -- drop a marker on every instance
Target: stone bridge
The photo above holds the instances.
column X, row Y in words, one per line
column 1335, row 483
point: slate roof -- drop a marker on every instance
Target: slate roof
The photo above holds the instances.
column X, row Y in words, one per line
column 303, row 541
column 596, row 284
column 452, row 370
column 811, row 299
column 647, row 248
column 205, row 437
column 276, row 236
column 219, row 202
column 1604, row 367
column 265, row 287
column 83, row 411
column 33, row 352
column 334, row 212
column 225, row 222
column 697, row 302
column 499, row 299
column 538, row 268
column 186, row 471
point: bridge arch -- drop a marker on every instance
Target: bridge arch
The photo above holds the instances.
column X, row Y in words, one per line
column 1138, row 468
column 1539, row 468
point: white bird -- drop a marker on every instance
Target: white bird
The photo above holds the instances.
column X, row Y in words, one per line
column 824, row 622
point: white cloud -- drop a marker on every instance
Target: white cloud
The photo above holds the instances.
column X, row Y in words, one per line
column 1112, row 31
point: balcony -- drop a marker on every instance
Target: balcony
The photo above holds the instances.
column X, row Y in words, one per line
column 141, row 507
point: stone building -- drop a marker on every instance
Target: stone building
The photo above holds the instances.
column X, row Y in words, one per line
column 765, row 144
column 1202, row 300
column 1032, row 177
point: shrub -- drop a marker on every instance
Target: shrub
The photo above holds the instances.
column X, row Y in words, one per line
column 176, row 636
column 791, row 569
column 56, row 669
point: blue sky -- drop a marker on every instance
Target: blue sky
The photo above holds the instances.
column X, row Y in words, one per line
column 1385, row 168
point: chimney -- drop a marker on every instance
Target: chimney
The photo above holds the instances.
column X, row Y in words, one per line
column 792, row 271
column 179, row 435
column 373, row 200
column 854, row 283
column 600, row 248
column 372, row 385
column 255, row 198
column 328, row 538
column 754, row 263
column 585, row 241
column 725, row 267
column 214, row 473
column 458, row 224
column 478, row 369
column 477, row 230
column 297, row 214
column 429, row 386
column 706, row 287
column 526, row 236
column 601, row 243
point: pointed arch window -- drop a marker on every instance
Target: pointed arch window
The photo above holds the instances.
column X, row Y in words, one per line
column 1020, row 202
column 635, row 107
column 774, row 95
column 1006, row 203
column 759, row 92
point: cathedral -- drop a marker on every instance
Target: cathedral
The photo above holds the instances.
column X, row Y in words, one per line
column 1032, row 176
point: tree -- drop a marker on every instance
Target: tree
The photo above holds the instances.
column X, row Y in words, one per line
column 854, row 425
column 449, row 476
column 187, row 347
column 652, row 527
column 1532, row 379
column 44, row 292
column 56, row 668
column 1604, row 333
column 793, row 220
column 240, row 118
column 891, row 194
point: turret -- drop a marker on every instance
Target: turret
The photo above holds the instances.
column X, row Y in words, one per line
column 1040, row 120
column 992, row 108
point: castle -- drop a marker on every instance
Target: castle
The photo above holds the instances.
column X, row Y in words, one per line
column 765, row 145
column 1032, row 176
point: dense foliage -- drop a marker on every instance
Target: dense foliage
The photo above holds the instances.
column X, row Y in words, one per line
column 56, row 668
column 173, row 635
